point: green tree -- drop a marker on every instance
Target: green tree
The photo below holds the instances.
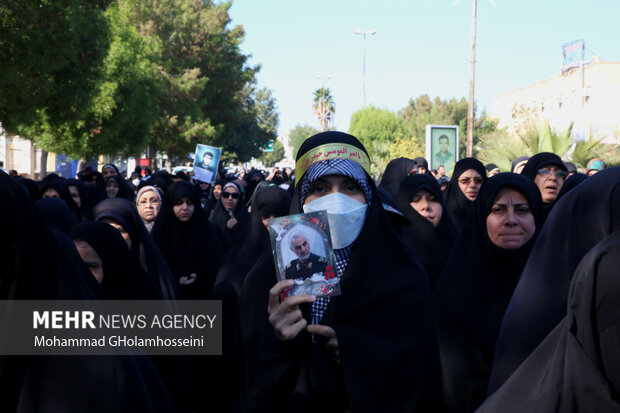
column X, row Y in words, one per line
column 122, row 109
column 377, row 128
column 51, row 55
column 298, row 135
column 206, row 83
column 424, row 111
column 324, row 107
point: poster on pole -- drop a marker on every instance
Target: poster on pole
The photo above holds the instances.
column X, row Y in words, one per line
column 206, row 163
column 442, row 146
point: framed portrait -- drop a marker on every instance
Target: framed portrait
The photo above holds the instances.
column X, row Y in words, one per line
column 302, row 251
column 442, row 146
column 206, row 163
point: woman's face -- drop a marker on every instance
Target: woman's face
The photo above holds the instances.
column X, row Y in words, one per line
column 510, row 223
column 230, row 197
column 120, row 229
column 50, row 193
column 469, row 183
column 217, row 191
column 428, row 206
column 90, row 258
column 148, row 206
column 330, row 184
column 184, row 209
column 75, row 194
column 111, row 188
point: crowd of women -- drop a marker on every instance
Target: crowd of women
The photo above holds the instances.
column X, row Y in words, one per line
column 496, row 294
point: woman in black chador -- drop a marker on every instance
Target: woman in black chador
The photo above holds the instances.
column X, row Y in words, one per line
column 477, row 283
column 576, row 368
column 578, row 221
column 431, row 234
column 395, row 172
column 229, row 215
column 372, row 348
column 187, row 241
column 36, row 264
column 462, row 190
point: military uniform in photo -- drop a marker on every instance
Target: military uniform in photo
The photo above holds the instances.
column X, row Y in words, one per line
column 297, row 269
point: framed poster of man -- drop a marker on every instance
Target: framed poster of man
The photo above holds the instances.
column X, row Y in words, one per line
column 442, row 146
column 206, row 163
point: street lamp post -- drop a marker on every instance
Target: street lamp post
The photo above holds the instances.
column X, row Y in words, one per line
column 369, row 32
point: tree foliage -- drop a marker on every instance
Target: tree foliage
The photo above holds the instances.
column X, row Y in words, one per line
column 298, row 135
column 424, row 111
column 51, row 55
column 377, row 128
column 324, row 107
column 205, row 94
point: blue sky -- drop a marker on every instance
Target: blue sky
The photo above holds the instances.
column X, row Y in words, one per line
column 421, row 47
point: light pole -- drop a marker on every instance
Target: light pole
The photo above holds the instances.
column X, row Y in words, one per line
column 369, row 32
column 323, row 115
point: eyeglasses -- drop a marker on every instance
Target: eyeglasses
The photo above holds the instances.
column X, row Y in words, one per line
column 466, row 181
column 234, row 195
column 558, row 172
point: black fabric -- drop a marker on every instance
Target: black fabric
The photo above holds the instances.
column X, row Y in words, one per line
column 397, row 218
column 57, row 183
column 123, row 277
column 32, row 188
column 124, row 190
column 458, row 207
column 208, row 208
column 431, row 246
column 250, row 246
column 36, row 264
column 571, row 182
column 143, row 247
column 395, row 172
column 161, row 180
column 220, row 217
column 576, row 368
column 55, row 214
column 579, row 220
column 188, row 247
column 472, row 295
column 540, row 160
column 383, row 322
column 517, row 161
column 83, row 211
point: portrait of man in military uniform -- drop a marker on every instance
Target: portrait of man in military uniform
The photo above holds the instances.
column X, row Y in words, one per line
column 306, row 262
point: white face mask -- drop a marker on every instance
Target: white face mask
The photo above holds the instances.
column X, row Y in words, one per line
column 345, row 215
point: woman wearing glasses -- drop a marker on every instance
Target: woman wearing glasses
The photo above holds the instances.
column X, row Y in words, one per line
column 229, row 214
column 548, row 173
column 463, row 189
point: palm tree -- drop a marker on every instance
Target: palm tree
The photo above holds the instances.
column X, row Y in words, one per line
column 324, row 107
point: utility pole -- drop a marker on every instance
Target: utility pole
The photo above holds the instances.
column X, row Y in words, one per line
column 369, row 32
column 472, row 76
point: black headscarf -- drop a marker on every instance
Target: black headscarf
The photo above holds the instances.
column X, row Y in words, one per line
column 517, row 161
column 212, row 200
column 37, row 264
column 570, row 183
column 32, row 188
column 575, row 368
column 458, row 207
column 420, row 161
column 540, row 160
column 579, row 220
column 381, row 281
column 220, row 216
column 56, row 215
column 143, row 247
column 123, row 277
column 59, row 184
column 473, row 292
column 86, row 200
column 124, row 190
column 188, row 247
column 395, row 172
column 431, row 246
